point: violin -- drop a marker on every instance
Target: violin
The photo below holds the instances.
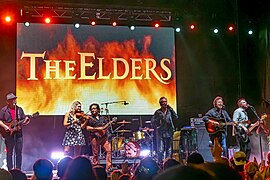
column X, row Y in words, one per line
column 81, row 115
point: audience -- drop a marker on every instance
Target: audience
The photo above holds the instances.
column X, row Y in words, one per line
column 252, row 171
column 80, row 168
column 62, row 166
column 169, row 162
column 184, row 173
column 43, row 169
column 5, row 175
column 17, row 174
column 146, row 169
column 116, row 174
column 100, row 172
column 125, row 177
column 195, row 158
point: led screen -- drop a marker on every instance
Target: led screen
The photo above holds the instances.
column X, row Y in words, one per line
column 125, row 71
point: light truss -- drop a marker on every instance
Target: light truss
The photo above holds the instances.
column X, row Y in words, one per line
column 87, row 12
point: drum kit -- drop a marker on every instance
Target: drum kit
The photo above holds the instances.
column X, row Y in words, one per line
column 138, row 145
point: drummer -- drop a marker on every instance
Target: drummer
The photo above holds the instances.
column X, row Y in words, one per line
column 163, row 121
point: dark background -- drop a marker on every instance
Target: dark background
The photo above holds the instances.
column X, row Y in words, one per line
column 230, row 65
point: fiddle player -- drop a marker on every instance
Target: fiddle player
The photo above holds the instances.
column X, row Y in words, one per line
column 96, row 124
column 74, row 137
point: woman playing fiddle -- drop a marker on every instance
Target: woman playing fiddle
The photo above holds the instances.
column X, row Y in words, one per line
column 74, row 137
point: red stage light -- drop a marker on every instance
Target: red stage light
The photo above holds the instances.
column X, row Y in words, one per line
column 93, row 23
column 47, row 20
column 157, row 25
column 8, row 19
column 192, row 26
column 114, row 23
column 231, row 28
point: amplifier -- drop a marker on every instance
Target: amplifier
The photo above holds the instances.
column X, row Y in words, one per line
column 196, row 122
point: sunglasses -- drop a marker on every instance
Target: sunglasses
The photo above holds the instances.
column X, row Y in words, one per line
column 240, row 159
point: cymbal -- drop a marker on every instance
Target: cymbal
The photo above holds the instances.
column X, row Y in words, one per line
column 147, row 122
column 123, row 131
column 123, row 122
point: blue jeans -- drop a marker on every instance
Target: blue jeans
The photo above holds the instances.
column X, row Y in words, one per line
column 222, row 141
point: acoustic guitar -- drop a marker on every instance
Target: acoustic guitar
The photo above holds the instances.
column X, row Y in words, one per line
column 101, row 133
column 215, row 125
column 14, row 125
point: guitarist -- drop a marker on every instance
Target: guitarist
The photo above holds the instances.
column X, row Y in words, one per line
column 98, row 135
column 218, row 112
column 8, row 114
column 240, row 116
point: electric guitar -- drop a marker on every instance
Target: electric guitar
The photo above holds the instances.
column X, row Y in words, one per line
column 14, row 125
column 101, row 133
column 244, row 134
column 214, row 125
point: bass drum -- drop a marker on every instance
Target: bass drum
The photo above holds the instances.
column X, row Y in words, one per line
column 132, row 149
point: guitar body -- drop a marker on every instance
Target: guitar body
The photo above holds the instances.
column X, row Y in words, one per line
column 212, row 128
column 14, row 125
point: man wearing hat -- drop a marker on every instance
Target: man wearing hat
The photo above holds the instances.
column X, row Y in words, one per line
column 11, row 113
column 218, row 112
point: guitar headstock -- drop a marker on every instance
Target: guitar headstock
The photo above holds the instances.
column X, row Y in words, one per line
column 35, row 114
column 264, row 116
column 114, row 119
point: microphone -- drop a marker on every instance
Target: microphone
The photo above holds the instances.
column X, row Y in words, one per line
column 125, row 103
column 223, row 106
column 249, row 106
column 169, row 107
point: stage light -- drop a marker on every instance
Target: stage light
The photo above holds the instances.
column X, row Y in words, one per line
column 145, row 153
column 177, row 29
column 57, row 155
column 93, row 23
column 132, row 28
column 250, row 32
column 8, row 19
column 27, row 24
column 156, row 25
column 47, row 20
column 230, row 28
column 77, row 25
column 215, row 30
column 192, row 26
column 114, row 23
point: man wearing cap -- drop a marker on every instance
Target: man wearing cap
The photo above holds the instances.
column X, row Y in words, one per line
column 13, row 138
column 239, row 160
column 218, row 112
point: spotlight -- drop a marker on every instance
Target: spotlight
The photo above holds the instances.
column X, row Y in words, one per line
column 27, row 24
column 114, row 23
column 145, row 152
column 156, row 25
column 8, row 19
column 57, row 155
column 77, row 25
column 47, row 20
column 215, row 30
column 192, row 26
column 93, row 23
column 250, row 32
column 177, row 29
column 231, row 28
column 132, row 28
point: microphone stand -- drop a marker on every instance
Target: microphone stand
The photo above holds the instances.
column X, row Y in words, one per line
column 258, row 119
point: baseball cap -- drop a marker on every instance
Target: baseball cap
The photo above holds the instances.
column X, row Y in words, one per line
column 11, row 96
column 239, row 158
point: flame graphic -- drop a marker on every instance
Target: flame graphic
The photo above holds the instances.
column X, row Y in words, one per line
column 52, row 97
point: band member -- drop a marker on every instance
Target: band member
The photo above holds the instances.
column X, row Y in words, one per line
column 12, row 113
column 240, row 116
column 163, row 121
column 213, row 116
column 74, row 137
column 96, row 124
